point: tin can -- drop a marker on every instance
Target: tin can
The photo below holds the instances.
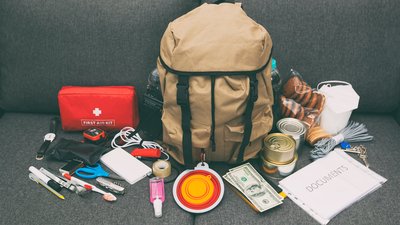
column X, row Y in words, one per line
column 278, row 170
column 294, row 128
column 279, row 148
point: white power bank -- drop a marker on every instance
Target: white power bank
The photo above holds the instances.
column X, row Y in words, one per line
column 125, row 165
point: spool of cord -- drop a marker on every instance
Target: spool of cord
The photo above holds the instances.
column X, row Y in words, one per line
column 162, row 168
column 353, row 132
column 315, row 134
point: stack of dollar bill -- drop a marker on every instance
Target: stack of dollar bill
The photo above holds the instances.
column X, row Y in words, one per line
column 253, row 187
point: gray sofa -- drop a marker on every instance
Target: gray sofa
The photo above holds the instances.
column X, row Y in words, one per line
column 47, row 44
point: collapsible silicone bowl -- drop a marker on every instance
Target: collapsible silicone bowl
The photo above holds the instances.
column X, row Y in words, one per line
column 198, row 190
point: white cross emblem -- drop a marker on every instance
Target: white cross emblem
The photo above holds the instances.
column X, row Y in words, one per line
column 97, row 112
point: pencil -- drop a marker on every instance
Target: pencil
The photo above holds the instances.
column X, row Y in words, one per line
column 37, row 180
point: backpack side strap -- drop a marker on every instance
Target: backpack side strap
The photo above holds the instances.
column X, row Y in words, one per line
column 248, row 125
column 182, row 98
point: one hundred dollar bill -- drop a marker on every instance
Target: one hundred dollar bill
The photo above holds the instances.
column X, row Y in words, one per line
column 255, row 191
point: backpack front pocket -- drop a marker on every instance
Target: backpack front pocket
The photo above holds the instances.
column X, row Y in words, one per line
column 233, row 137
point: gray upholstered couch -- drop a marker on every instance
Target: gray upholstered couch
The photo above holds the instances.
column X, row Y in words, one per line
column 47, row 44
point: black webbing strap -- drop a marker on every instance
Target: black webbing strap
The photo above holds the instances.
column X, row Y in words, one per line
column 212, row 136
column 248, row 126
column 214, row 73
column 182, row 99
column 224, row 1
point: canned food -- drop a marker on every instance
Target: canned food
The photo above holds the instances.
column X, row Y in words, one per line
column 279, row 148
column 294, row 128
column 277, row 170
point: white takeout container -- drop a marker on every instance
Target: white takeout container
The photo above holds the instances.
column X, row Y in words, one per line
column 341, row 100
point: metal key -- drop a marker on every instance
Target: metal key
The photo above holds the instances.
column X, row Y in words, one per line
column 363, row 155
column 355, row 150
column 364, row 158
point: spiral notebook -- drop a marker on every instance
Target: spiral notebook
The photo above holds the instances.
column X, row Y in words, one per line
column 330, row 184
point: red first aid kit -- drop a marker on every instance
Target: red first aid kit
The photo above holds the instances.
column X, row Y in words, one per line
column 104, row 107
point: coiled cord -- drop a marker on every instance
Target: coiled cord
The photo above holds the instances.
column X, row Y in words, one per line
column 353, row 132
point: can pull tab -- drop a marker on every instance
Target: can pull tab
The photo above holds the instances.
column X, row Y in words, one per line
column 275, row 146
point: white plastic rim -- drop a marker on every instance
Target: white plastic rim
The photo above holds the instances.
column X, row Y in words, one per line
column 286, row 170
column 330, row 82
column 294, row 128
column 205, row 168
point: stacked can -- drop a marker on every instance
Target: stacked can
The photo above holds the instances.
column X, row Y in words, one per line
column 294, row 128
column 279, row 155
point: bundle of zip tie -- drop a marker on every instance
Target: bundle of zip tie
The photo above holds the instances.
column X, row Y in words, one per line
column 130, row 137
column 353, row 132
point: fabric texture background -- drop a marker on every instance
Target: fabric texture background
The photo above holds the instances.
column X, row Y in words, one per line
column 355, row 41
column 45, row 45
column 376, row 208
column 25, row 202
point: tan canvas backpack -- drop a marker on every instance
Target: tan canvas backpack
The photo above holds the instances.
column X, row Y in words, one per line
column 215, row 76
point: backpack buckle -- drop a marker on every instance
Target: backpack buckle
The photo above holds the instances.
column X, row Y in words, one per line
column 182, row 95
